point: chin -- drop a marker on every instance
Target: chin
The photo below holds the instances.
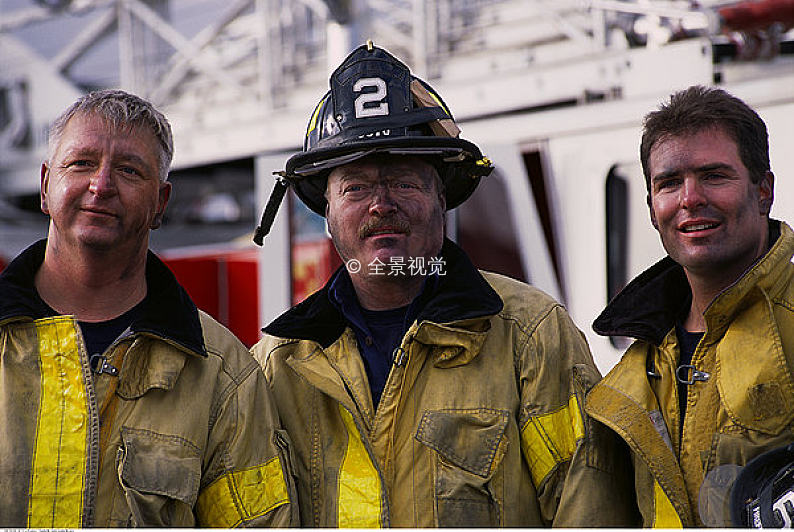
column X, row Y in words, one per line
column 385, row 255
column 705, row 263
column 98, row 242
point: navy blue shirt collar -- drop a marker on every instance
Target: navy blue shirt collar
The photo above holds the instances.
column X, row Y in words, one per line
column 376, row 347
column 343, row 296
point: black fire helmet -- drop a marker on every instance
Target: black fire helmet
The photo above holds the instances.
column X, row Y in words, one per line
column 763, row 494
column 376, row 105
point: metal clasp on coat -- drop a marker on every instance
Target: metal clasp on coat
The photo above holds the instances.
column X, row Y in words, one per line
column 398, row 356
column 691, row 374
column 99, row 365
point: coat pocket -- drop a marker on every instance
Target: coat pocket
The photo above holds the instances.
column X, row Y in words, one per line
column 160, row 476
column 468, row 447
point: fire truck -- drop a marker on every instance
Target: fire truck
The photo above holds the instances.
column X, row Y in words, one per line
column 553, row 92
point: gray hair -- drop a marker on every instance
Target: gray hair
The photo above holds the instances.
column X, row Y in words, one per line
column 123, row 110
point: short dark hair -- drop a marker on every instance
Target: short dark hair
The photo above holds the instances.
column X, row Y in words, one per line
column 698, row 108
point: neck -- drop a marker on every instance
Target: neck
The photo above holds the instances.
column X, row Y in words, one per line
column 695, row 321
column 376, row 292
column 91, row 285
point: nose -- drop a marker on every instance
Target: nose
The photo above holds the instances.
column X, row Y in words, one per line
column 382, row 202
column 692, row 194
column 102, row 182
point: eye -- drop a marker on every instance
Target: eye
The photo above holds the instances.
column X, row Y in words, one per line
column 406, row 185
column 667, row 183
column 355, row 190
column 129, row 171
column 79, row 163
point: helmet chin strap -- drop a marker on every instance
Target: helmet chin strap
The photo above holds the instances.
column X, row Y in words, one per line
column 269, row 215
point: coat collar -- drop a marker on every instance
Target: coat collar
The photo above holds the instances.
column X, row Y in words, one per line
column 461, row 294
column 168, row 312
column 647, row 308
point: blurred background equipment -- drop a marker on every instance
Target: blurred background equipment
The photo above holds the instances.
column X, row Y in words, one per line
column 553, row 92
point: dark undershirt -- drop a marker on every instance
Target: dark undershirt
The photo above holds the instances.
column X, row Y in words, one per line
column 100, row 335
column 386, row 328
column 687, row 343
column 378, row 333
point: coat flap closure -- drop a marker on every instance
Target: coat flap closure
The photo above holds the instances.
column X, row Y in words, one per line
column 639, row 428
column 753, row 377
column 312, row 363
column 454, row 345
column 149, row 363
column 625, row 402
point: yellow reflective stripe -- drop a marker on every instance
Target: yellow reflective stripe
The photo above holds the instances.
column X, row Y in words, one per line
column 359, row 483
column 438, row 101
column 60, row 453
column 551, row 439
column 664, row 515
column 313, row 121
column 243, row 495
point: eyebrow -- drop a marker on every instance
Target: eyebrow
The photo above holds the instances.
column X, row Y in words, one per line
column 391, row 173
column 79, row 151
column 397, row 171
column 700, row 169
column 135, row 159
column 83, row 151
column 350, row 176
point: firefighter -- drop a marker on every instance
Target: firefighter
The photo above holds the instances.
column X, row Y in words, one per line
column 707, row 385
column 122, row 404
column 417, row 390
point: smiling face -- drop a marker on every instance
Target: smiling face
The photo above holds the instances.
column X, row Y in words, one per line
column 711, row 217
column 385, row 207
column 101, row 187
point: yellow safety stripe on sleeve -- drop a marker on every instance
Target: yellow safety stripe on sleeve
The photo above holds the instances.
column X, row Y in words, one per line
column 313, row 121
column 664, row 514
column 551, row 439
column 61, row 448
column 359, row 483
column 240, row 496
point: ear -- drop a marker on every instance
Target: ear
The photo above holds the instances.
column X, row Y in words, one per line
column 45, row 182
column 766, row 193
column 650, row 211
column 162, row 200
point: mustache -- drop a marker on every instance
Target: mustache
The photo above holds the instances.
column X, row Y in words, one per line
column 375, row 224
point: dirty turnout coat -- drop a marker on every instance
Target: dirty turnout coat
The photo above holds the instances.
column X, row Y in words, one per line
column 480, row 423
column 175, row 428
column 740, row 402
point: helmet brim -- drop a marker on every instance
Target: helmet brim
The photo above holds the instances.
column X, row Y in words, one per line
column 458, row 162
